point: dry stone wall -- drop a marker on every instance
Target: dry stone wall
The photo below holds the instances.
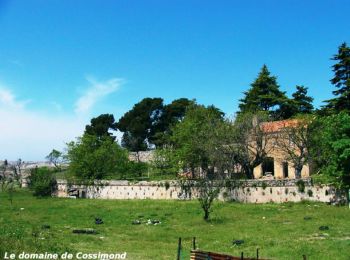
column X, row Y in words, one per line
column 251, row 191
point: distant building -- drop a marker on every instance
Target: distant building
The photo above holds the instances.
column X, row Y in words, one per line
column 276, row 165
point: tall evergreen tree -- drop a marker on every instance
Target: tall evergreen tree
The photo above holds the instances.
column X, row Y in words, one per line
column 302, row 102
column 341, row 80
column 264, row 94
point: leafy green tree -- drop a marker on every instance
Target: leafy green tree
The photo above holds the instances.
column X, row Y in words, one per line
column 101, row 125
column 91, row 157
column 171, row 115
column 55, row 157
column 264, row 94
column 198, row 146
column 138, row 124
column 42, row 182
column 165, row 162
column 341, row 80
column 331, row 149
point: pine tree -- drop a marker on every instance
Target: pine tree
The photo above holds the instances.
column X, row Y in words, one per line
column 341, row 80
column 302, row 102
column 264, row 94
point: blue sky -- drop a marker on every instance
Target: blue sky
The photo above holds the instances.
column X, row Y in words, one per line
column 63, row 62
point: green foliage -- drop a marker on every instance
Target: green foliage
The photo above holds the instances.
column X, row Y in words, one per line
column 301, row 186
column 197, row 137
column 301, row 103
column 165, row 162
column 264, row 94
column 149, row 122
column 101, row 125
column 170, row 116
column 138, row 123
column 55, row 157
column 42, row 181
column 310, row 193
column 199, row 142
column 93, row 158
column 133, row 170
column 341, row 80
column 331, row 149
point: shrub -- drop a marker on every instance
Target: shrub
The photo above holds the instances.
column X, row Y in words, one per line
column 310, row 193
column 134, row 169
column 42, row 181
column 94, row 158
column 264, row 185
column 301, row 186
column 167, row 185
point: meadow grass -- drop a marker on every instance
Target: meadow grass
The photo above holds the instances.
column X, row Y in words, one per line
column 278, row 230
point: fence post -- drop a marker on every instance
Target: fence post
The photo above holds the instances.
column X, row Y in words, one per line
column 304, row 257
column 257, row 253
column 179, row 249
column 242, row 256
column 194, row 243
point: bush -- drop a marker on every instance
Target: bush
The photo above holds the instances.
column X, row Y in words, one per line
column 132, row 169
column 310, row 193
column 94, row 158
column 301, row 186
column 42, row 181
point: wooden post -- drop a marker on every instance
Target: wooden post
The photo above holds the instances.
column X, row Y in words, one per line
column 194, row 243
column 242, row 256
column 179, row 249
column 257, row 253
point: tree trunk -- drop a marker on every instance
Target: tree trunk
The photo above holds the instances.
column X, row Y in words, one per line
column 206, row 214
column 250, row 172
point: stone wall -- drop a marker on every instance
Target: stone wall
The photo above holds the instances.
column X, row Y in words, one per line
column 251, row 191
column 142, row 156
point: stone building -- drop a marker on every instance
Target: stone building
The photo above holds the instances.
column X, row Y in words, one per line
column 278, row 164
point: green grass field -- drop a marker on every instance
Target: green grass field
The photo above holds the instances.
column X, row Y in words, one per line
column 279, row 230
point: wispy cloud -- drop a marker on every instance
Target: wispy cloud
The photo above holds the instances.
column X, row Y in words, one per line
column 8, row 100
column 96, row 91
column 31, row 135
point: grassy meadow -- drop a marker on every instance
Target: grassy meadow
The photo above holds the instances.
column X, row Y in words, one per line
column 278, row 230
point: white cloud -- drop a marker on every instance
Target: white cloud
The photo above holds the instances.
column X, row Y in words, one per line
column 31, row 135
column 96, row 92
column 7, row 100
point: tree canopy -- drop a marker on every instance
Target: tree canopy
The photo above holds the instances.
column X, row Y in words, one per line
column 137, row 124
column 331, row 149
column 148, row 123
column 264, row 94
column 341, row 80
column 300, row 103
column 91, row 157
column 101, row 125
